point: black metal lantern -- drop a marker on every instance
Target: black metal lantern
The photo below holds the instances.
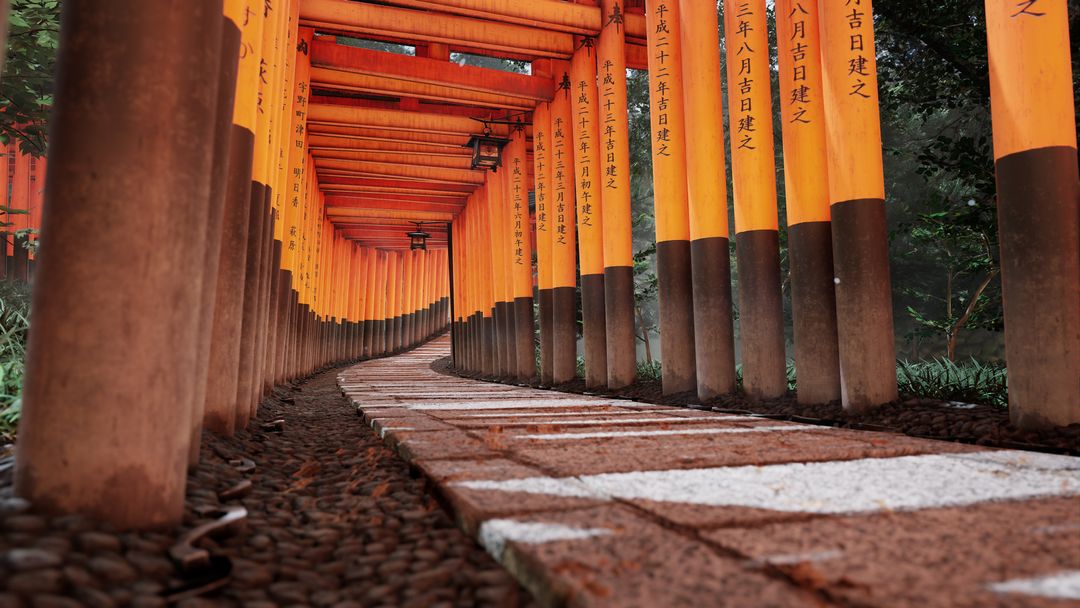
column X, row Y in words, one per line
column 486, row 150
column 418, row 238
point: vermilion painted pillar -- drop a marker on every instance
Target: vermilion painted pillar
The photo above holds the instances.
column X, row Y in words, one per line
column 6, row 158
column 590, row 227
column 615, row 163
column 224, row 362
column 111, row 362
column 382, row 274
column 714, row 339
column 520, row 258
column 543, row 190
column 488, row 349
column 753, row 169
column 1033, row 106
column 371, row 325
column 806, row 179
column 20, row 202
column 857, row 199
column 506, row 240
column 223, row 127
column 563, row 250
column 670, row 197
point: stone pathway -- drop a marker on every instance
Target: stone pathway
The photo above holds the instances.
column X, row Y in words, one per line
column 612, row 502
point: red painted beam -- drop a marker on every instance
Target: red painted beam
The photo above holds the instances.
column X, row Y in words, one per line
column 430, row 71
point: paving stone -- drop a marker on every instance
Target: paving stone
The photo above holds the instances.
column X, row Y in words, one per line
column 604, row 502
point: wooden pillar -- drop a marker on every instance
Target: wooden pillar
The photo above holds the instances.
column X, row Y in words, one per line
column 409, row 269
column 393, row 291
column 590, row 228
column 382, row 274
column 224, row 362
column 670, row 196
column 714, row 339
column 806, row 179
column 111, row 363
column 371, row 325
column 20, row 202
column 563, row 251
column 493, row 188
column 257, row 263
column 1032, row 101
column 506, row 233
column 6, row 158
column 753, row 168
column 857, row 199
column 616, row 216
column 543, row 190
column 223, row 127
column 521, row 259
column 488, row 348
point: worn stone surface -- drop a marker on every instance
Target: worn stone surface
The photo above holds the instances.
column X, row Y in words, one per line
column 595, row 501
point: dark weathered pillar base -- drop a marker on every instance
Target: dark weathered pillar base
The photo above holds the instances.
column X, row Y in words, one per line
column 619, row 318
column 676, row 317
column 525, row 340
column 813, row 311
column 563, row 334
column 714, row 334
column 863, row 304
column 1039, row 227
column 595, row 329
column 487, row 346
column 761, row 314
column 547, row 342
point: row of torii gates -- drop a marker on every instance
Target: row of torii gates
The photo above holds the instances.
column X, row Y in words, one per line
column 227, row 203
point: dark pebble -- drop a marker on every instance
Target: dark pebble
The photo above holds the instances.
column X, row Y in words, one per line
column 113, row 570
column 35, row 582
column 95, row 542
column 31, row 559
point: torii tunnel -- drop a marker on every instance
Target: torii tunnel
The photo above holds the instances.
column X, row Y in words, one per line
column 230, row 187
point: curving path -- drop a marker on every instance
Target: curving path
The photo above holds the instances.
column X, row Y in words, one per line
column 612, row 502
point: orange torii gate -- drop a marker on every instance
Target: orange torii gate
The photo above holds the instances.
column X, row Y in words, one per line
column 316, row 203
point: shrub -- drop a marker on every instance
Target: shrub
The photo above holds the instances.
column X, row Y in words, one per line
column 14, row 326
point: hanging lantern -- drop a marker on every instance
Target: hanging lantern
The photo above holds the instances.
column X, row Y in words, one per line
column 486, row 150
column 418, row 238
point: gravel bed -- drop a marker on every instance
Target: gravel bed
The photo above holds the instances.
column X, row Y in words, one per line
column 334, row 519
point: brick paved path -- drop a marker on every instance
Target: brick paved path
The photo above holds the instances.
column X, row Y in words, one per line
column 613, row 502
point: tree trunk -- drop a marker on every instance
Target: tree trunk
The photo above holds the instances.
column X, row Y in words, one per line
column 644, row 334
column 954, row 331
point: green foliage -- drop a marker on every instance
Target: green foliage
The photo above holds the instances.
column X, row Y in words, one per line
column 14, row 327
column 649, row 370
column 26, row 88
column 966, row 382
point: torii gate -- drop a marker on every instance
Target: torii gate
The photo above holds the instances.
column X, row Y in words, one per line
column 229, row 192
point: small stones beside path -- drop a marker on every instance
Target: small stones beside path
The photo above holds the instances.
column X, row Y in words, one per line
column 335, row 519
